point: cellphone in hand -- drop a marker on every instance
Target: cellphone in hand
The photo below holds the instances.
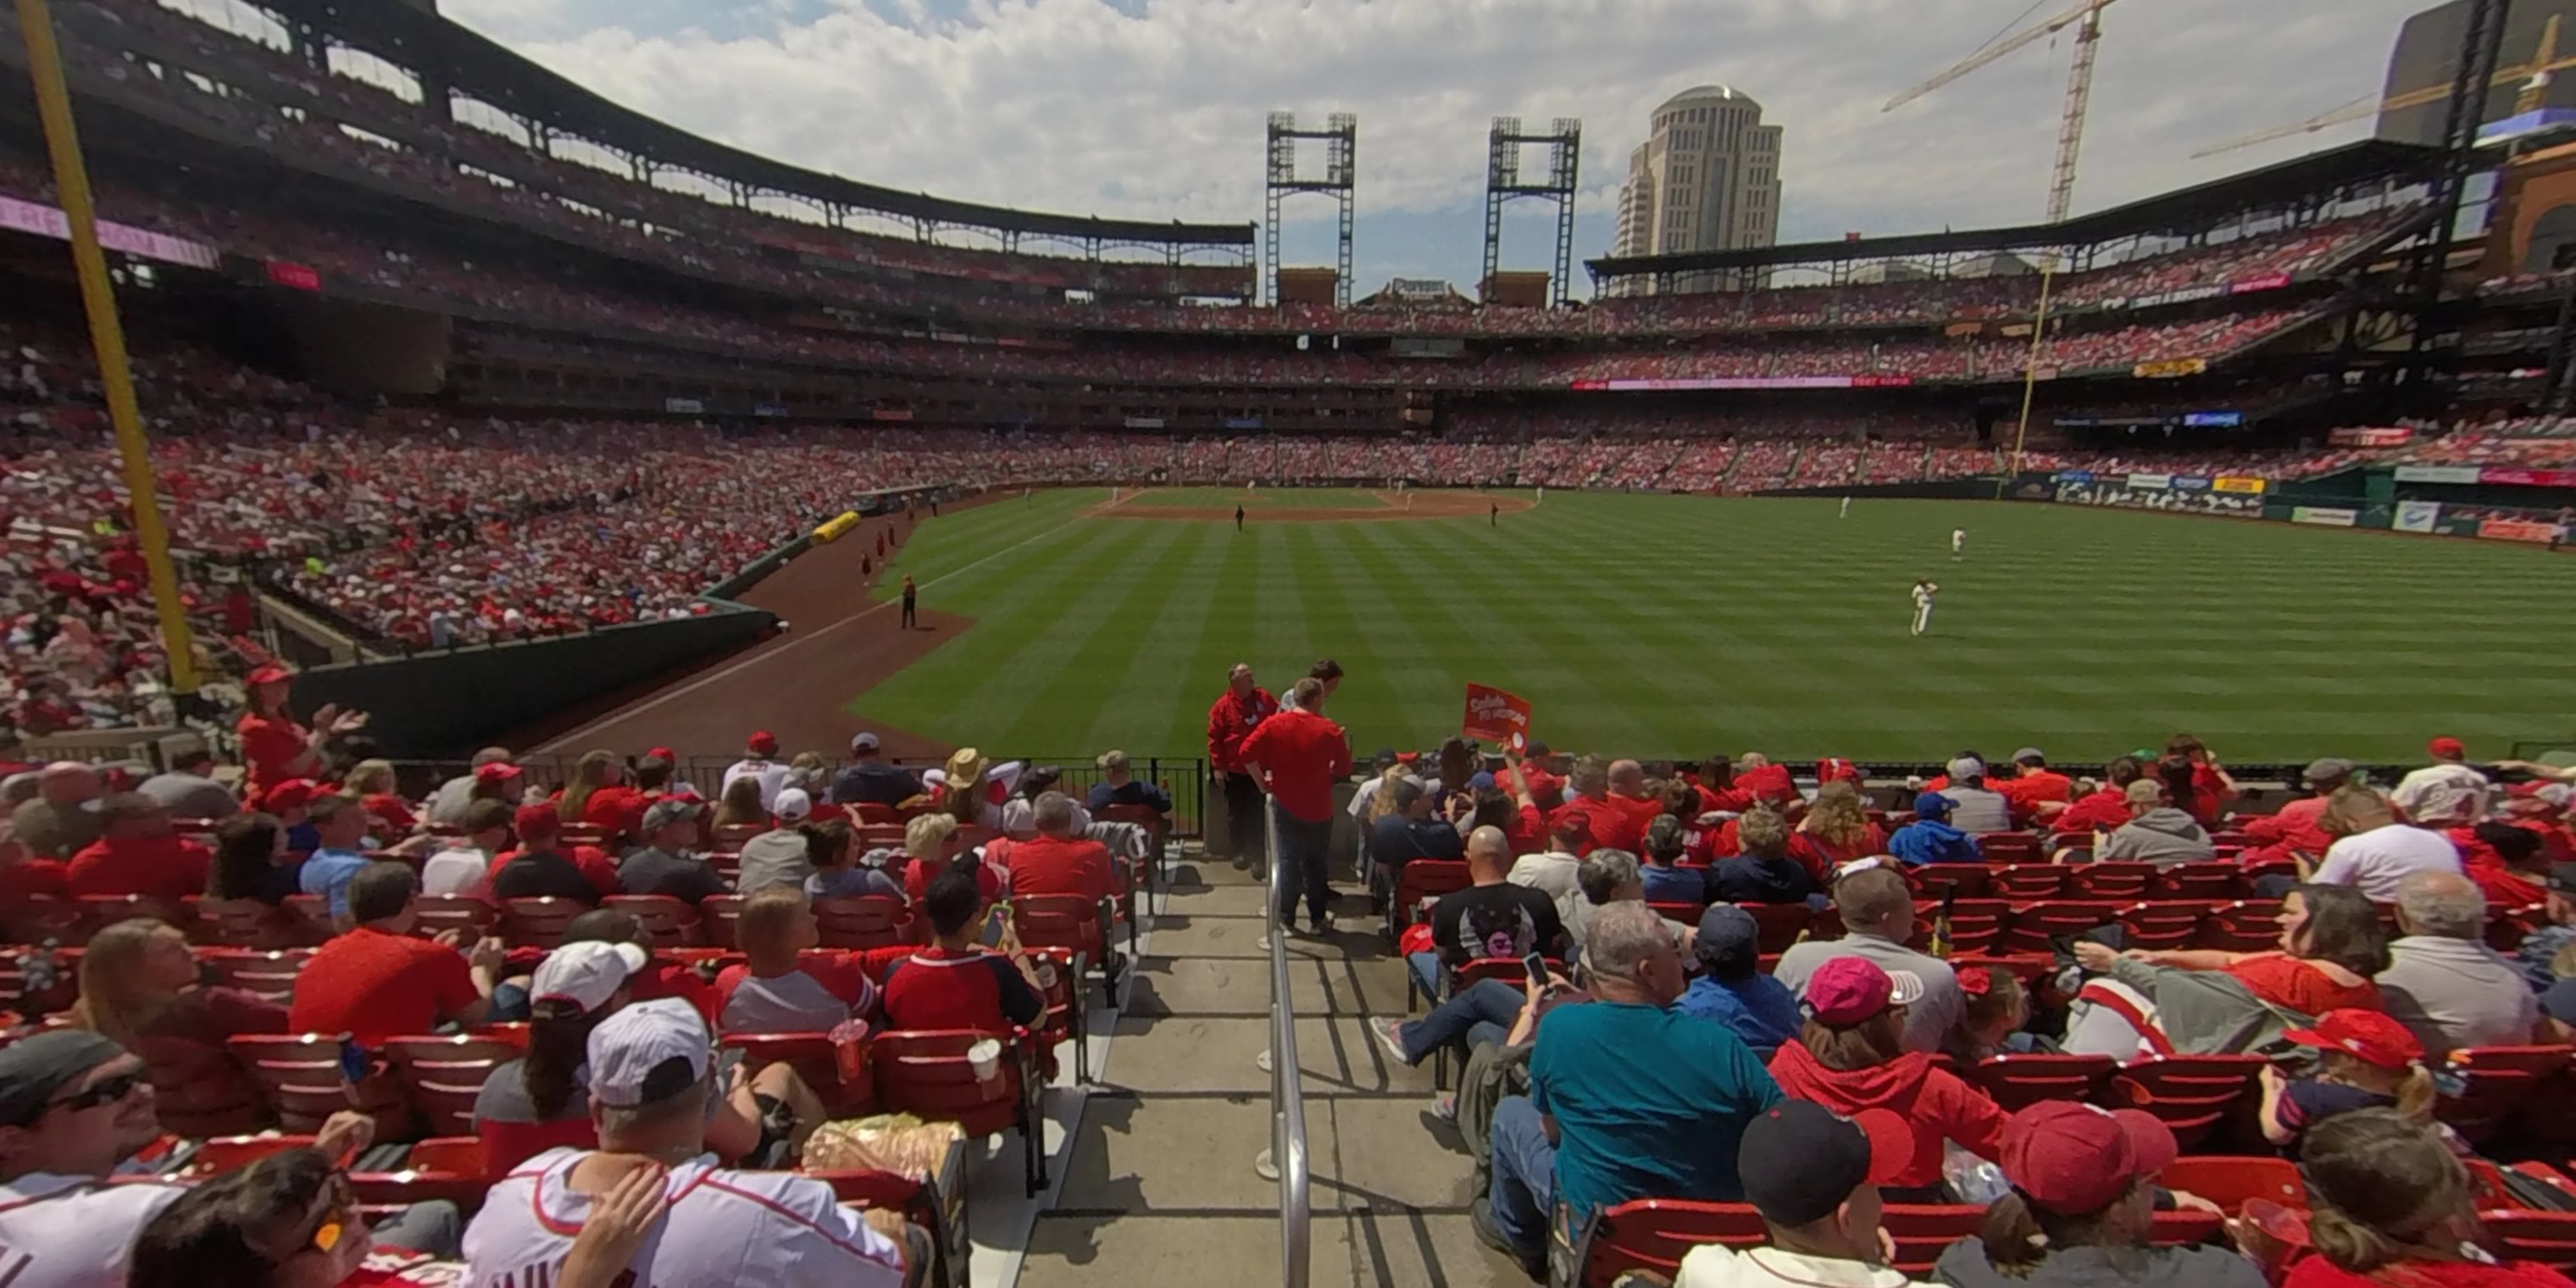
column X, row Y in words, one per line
column 1536, row 966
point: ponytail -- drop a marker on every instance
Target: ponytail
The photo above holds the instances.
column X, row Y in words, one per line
column 2015, row 1245
column 2415, row 1095
column 2348, row 1244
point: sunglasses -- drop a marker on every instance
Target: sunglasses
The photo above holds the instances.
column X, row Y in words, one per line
column 105, row 1091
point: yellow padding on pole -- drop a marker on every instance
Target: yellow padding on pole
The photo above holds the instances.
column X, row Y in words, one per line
column 831, row 531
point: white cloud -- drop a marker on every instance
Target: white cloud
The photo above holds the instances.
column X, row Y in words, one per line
column 1155, row 109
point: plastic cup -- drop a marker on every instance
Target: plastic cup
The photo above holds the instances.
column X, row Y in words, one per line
column 986, row 1059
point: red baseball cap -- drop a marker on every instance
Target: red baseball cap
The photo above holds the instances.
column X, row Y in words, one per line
column 497, row 772
column 763, row 743
column 2449, row 747
column 2071, row 1158
column 269, row 675
column 1834, row 768
column 663, row 753
column 1848, row 990
column 536, row 820
column 2367, row 1036
column 294, row 793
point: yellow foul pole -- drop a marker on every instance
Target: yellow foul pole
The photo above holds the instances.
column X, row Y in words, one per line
column 106, row 334
column 2030, row 373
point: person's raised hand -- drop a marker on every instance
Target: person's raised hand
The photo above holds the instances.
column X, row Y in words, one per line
column 487, row 954
column 452, row 937
column 344, row 1135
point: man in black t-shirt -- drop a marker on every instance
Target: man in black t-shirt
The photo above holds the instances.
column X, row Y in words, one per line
column 1492, row 918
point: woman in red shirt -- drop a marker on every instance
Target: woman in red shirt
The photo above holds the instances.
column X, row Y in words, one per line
column 2393, row 1206
column 2193, row 777
column 373, row 781
column 2331, row 947
column 1851, row 1056
column 1836, row 831
column 139, row 988
column 275, row 747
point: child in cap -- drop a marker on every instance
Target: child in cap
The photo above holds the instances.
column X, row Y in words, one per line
column 1990, row 1024
column 1814, row 1177
column 1850, row 1057
column 2081, row 1211
column 2365, row 1060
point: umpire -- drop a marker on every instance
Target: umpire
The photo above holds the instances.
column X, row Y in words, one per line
column 1239, row 710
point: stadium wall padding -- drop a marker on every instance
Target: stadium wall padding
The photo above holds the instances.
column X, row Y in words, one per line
column 439, row 704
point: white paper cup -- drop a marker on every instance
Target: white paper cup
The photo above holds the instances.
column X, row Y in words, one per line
column 986, row 1058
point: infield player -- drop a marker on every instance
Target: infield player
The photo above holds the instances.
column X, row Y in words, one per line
column 1923, row 593
column 1958, row 543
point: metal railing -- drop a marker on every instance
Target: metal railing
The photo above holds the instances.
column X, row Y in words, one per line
column 1287, row 1152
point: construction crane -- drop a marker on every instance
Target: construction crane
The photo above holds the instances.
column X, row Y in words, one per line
column 2534, row 77
column 2086, row 18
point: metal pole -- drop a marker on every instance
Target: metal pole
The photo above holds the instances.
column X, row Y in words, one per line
column 106, row 335
column 2030, row 374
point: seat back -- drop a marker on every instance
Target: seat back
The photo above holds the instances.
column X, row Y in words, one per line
column 1976, row 925
column 1966, row 880
column 2230, row 1182
column 1062, row 921
column 2529, row 1235
column 458, row 912
column 1921, row 1230
column 313, row 914
column 815, row 1058
column 1777, row 925
column 2212, row 881
column 1683, row 914
column 1655, row 1234
column 1429, row 879
column 1142, row 816
column 242, row 923
column 671, row 922
column 2498, row 1082
column 2240, row 926
column 732, row 835
column 271, row 975
column 2010, row 847
column 2162, row 923
column 2027, row 880
column 306, row 1082
column 537, row 923
column 100, row 911
column 717, row 916
column 2036, row 926
column 872, row 921
column 927, row 1073
column 2113, row 880
column 2195, row 1095
column 2018, row 1081
column 452, row 1168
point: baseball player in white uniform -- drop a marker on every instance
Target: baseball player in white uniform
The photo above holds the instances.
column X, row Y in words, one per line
column 651, row 1076
column 1923, row 593
column 1958, row 543
column 1846, row 509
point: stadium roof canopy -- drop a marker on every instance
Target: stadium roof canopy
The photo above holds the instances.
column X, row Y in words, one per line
column 2183, row 210
column 425, row 43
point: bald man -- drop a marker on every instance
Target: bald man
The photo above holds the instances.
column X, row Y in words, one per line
column 53, row 825
column 1492, row 918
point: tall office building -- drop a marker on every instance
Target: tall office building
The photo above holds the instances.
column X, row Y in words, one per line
column 1706, row 178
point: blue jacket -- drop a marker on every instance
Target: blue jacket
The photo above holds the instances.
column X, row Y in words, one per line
column 1929, row 841
column 1760, row 1009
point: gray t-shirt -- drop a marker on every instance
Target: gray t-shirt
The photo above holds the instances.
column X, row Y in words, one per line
column 2453, row 993
column 1976, row 811
column 1927, row 1022
column 774, row 857
column 190, row 795
column 791, row 1003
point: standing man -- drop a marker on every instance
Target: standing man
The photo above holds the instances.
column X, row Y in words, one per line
column 1846, row 509
column 1301, row 755
column 1236, row 712
column 911, row 595
column 1958, row 544
column 1326, row 672
column 1494, row 514
column 1923, row 593
column 1238, row 518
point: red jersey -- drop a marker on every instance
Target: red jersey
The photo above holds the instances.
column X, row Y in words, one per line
column 372, row 986
column 2103, row 811
column 1303, row 754
column 270, row 746
column 2302, row 986
column 1231, row 721
column 2291, row 832
column 2033, row 788
column 936, row 989
column 2317, row 1272
column 1047, row 866
column 27, row 878
column 1821, row 856
column 163, row 867
column 1723, row 800
column 917, row 874
column 1607, row 825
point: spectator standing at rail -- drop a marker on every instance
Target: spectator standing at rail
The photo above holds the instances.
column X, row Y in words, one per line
column 869, row 780
column 1326, row 672
column 911, row 601
column 1301, row 755
column 1233, row 717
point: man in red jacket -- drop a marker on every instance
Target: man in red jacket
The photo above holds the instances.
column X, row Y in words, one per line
column 138, row 854
column 1609, row 823
column 1301, row 755
column 1237, row 712
column 2106, row 810
column 2032, row 785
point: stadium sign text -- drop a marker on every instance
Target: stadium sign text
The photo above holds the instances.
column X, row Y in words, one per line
column 1745, row 382
column 2238, row 483
column 2325, row 515
column 48, row 221
column 2437, row 474
column 2170, row 368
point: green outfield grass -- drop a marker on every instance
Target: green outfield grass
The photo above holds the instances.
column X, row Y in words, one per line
column 1259, row 498
column 1668, row 626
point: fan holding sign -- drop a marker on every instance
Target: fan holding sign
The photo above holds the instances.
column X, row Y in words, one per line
column 1496, row 716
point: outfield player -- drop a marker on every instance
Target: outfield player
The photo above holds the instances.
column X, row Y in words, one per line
column 1846, row 509
column 651, row 1075
column 1923, row 593
column 1958, row 543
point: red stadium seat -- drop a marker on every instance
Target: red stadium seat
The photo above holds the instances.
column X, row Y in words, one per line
column 816, row 1059
column 1680, row 914
column 2198, row 1096
column 671, row 922
column 245, row 923
column 449, row 1168
column 2528, row 1235
column 2027, row 880
column 306, row 1083
column 1976, row 925
column 43, row 918
column 1071, row 922
column 2161, row 923
column 872, row 921
column 2206, row 881
column 271, row 974
column 465, row 914
column 2036, row 926
column 444, row 1073
column 1965, row 880
column 2499, row 1082
column 1426, row 879
column 928, row 1074
column 537, row 923
column 717, row 916
column 2243, row 926
column 732, row 835
column 1922, row 1230
column 103, row 910
column 1777, row 925
column 1653, row 1235
column 2232, row 1182
column 2010, row 847
column 2018, row 1081
column 2115, row 880
column 1145, row 817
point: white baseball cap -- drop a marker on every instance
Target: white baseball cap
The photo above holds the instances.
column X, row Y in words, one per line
column 586, row 974
column 793, row 804
column 648, row 1052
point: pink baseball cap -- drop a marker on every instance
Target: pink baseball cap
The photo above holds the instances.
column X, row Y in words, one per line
column 1848, row 990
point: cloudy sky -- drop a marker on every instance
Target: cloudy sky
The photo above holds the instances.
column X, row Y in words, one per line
column 1154, row 108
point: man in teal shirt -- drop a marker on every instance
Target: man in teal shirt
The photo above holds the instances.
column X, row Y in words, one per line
column 1629, row 1099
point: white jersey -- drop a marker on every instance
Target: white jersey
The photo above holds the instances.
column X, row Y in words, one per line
column 1958, row 539
column 772, row 776
column 74, row 1231
column 723, row 1228
column 1923, row 597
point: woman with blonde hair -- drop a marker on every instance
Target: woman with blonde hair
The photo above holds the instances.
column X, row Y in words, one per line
column 1836, row 830
column 139, row 989
column 372, row 782
column 741, row 805
column 594, row 771
column 932, row 842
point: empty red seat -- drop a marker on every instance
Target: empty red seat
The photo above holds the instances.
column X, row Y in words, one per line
column 671, row 922
column 2162, row 923
column 1680, row 914
column 2036, row 927
column 2028, row 881
column 443, row 1073
column 2114, row 880
column 2010, row 847
column 2195, row 1095
column 2231, row 1182
column 1424, row 879
column 717, row 917
column 1654, row 1235
column 2241, row 926
column 2529, row 1235
column 537, row 923
column 871, row 921
column 2498, row 1082
column 443, row 1167
column 1777, row 925
column 245, row 923
column 306, row 1082
column 1964, row 880
column 1921, row 1231
column 465, row 914
column 2017, row 1081
column 2208, row 881
column 100, row 911
column 271, row 974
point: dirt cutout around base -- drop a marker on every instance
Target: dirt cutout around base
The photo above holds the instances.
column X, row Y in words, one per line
column 1399, row 507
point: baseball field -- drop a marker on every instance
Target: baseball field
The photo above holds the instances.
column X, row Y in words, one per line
column 1677, row 626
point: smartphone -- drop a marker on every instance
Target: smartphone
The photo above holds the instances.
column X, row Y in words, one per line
column 1536, row 965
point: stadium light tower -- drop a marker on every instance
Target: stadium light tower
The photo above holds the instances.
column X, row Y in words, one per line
column 1340, row 181
column 2086, row 18
column 1564, row 140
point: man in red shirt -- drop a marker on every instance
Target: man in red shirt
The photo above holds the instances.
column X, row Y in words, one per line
column 378, row 981
column 2032, row 785
column 138, row 854
column 1608, row 823
column 2106, row 810
column 2295, row 830
column 1301, row 755
column 1059, row 862
column 1767, row 782
column 1628, row 796
column 1237, row 712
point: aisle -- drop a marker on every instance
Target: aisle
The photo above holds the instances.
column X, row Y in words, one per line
column 1159, row 1186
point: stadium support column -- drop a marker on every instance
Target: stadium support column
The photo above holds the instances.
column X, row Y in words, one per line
column 1564, row 140
column 107, row 335
column 2560, row 395
column 2472, row 76
column 1340, row 181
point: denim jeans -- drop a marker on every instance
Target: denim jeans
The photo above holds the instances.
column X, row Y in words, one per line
column 1483, row 1013
column 1524, row 1184
column 1303, row 850
column 1426, row 974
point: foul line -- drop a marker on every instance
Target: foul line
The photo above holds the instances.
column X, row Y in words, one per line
column 669, row 695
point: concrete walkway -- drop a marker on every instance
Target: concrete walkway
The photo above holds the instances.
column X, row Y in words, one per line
column 1158, row 1186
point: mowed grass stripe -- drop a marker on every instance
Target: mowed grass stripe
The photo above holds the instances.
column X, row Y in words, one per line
column 1226, row 636
column 1393, row 679
column 1061, row 673
column 938, row 547
column 1161, row 635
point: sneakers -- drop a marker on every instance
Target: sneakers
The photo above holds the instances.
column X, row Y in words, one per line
column 1390, row 1034
column 1262, row 943
column 1446, row 1109
column 1320, row 926
column 1480, row 1215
